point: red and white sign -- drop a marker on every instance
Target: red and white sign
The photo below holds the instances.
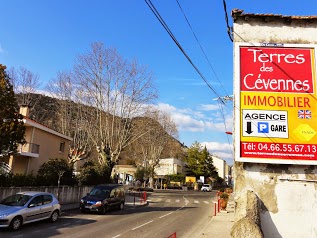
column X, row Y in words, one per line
column 275, row 104
column 291, row 67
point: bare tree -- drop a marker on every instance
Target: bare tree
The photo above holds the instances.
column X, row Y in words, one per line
column 114, row 91
column 25, row 83
column 155, row 140
column 71, row 122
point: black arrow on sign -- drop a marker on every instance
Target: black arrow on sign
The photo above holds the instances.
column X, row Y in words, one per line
column 249, row 128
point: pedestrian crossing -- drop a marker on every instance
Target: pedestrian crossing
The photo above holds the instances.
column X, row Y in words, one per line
column 186, row 200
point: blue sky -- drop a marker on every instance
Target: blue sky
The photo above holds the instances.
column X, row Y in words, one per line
column 46, row 36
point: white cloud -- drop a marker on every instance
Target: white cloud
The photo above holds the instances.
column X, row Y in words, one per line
column 209, row 107
column 216, row 146
column 198, row 120
column 222, row 150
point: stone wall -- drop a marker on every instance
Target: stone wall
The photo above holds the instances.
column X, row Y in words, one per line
column 64, row 193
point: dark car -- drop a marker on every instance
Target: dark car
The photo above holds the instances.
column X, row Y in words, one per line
column 102, row 198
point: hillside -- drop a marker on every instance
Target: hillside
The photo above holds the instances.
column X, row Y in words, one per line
column 44, row 109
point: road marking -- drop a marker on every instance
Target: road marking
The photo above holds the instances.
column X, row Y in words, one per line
column 166, row 215
column 52, row 227
column 168, row 200
column 141, row 225
column 116, row 236
column 206, row 202
column 196, row 201
column 177, row 200
column 180, row 208
column 17, row 236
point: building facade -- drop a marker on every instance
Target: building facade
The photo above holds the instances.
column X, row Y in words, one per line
column 42, row 144
column 169, row 166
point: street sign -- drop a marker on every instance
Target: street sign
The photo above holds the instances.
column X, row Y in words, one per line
column 275, row 103
column 264, row 123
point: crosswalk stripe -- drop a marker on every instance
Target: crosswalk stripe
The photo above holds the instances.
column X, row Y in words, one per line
column 206, row 202
column 196, row 201
column 177, row 200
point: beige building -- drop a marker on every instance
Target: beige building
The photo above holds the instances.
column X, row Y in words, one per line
column 169, row 166
column 42, row 143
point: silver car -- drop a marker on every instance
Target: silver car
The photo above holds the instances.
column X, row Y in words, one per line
column 27, row 207
column 206, row 188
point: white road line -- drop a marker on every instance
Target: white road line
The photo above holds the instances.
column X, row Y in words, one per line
column 177, row 200
column 196, row 201
column 141, row 225
column 180, row 208
column 206, row 202
column 168, row 200
column 52, row 227
column 166, row 215
column 116, row 236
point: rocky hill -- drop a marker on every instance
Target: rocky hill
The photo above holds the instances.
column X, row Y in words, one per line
column 44, row 109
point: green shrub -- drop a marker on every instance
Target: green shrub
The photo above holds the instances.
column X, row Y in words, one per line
column 21, row 180
column 92, row 173
column 224, row 196
column 5, row 179
column 51, row 171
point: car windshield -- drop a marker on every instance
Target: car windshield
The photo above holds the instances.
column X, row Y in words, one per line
column 16, row 200
column 100, row 192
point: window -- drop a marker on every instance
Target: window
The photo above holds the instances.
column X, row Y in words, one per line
column 47, row 199
column 37, row 201
column 62, row 146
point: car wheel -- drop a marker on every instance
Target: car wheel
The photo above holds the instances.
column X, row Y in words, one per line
column 54, row 216
column 15, row 223
column 103, row 210
column 121, row 206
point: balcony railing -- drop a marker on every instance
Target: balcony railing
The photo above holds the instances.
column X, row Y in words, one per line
column 29, row 148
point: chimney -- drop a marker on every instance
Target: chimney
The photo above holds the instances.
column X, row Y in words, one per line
column 24, row 110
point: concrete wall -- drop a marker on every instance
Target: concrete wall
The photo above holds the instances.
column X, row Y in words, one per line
column 220, row 165
column 66, row 194
column 287, row 192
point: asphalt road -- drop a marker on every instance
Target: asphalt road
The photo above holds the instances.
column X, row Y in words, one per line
column 183, row 212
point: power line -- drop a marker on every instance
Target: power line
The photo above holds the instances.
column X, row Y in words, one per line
column 161, row 20
column 201, row 46
column 224, row 122
column 227, row 21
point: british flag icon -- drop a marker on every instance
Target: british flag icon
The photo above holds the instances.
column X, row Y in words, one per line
column 304, row 114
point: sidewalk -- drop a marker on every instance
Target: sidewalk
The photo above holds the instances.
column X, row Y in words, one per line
column 130, row 201
column 221, row 224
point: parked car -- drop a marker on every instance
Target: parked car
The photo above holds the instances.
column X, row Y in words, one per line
column 206, row 188
column 27, row 207
column 102, row 198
